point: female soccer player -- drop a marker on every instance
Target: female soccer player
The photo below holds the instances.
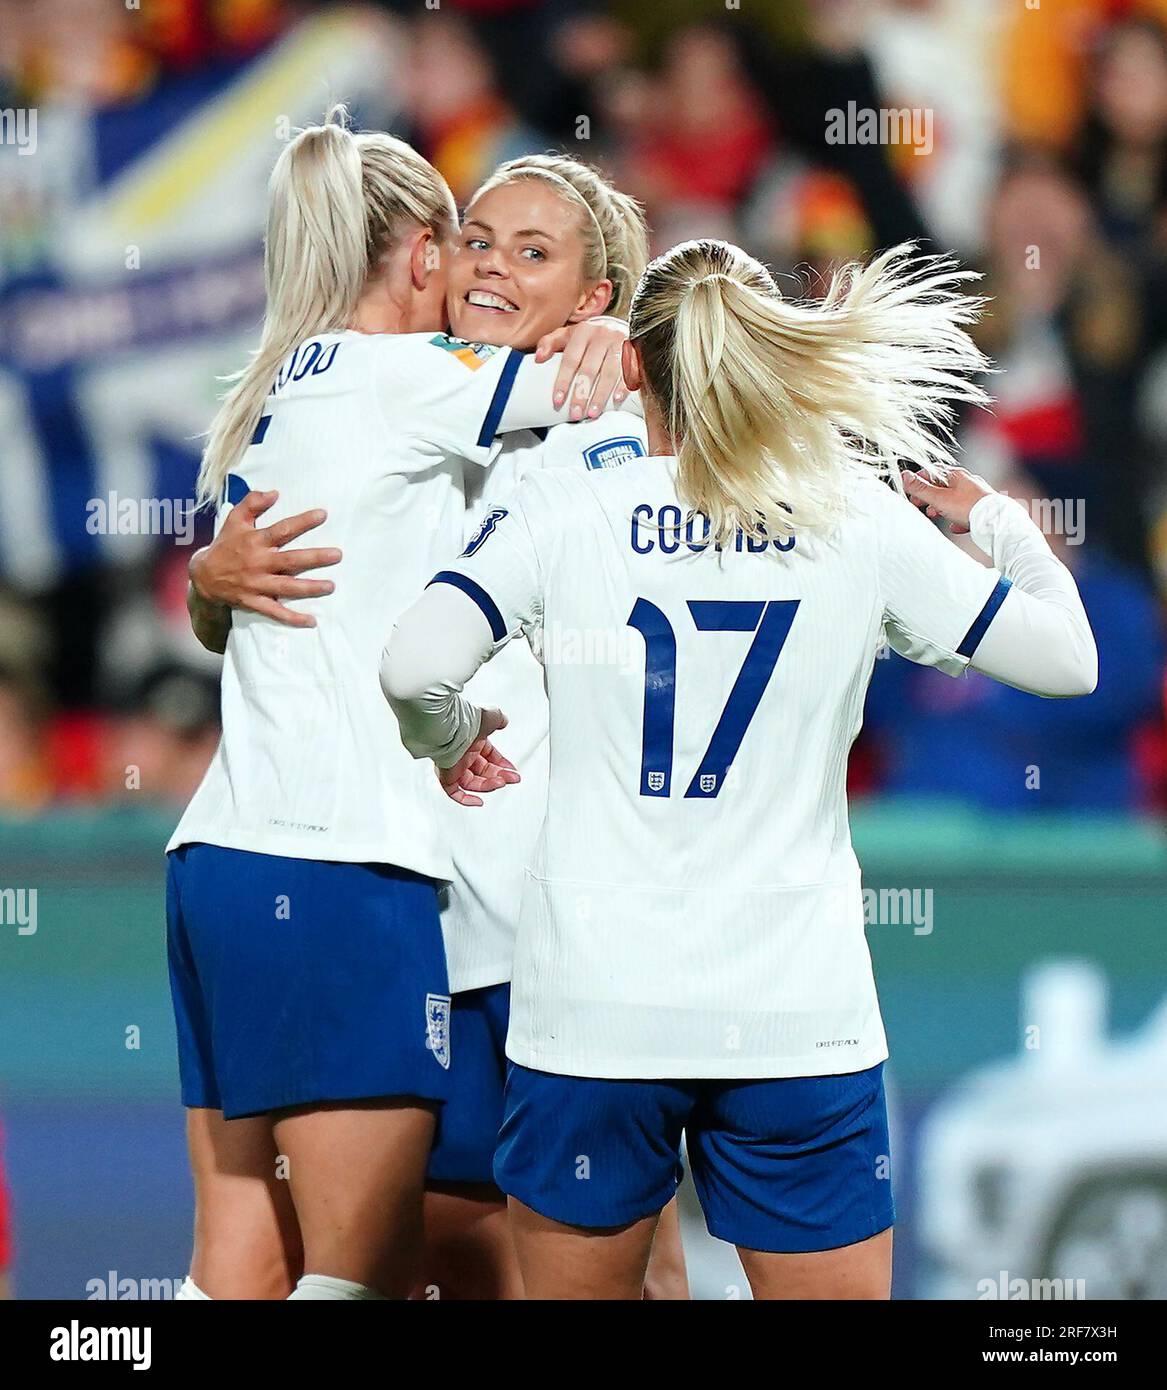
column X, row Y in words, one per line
column 306, row 959
column 691, row 953
column 546, row 242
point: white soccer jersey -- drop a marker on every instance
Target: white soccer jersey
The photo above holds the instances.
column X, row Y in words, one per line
column 374, row 428
column 694, row 907
column 493, row 845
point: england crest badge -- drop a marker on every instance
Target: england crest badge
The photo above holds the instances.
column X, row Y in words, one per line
column 437, row 1027
column 485, row 530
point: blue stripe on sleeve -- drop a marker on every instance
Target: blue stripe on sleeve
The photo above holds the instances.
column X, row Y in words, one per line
column 502, row 394
column 972, row 638
column 261, row 428
column 498, row 629
column 236, row 489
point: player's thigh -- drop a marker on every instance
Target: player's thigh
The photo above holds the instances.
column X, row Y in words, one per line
column 357, row 1176
column 469, row 1247
column 317, row 981
column 247, row 1240
column 859, row 1271
column 588, row 1164
column 799, row 1167
column 559, row 1261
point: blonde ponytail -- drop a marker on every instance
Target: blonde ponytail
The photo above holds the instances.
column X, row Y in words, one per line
column 337, row 203
column 612, row 224
column 772, row 404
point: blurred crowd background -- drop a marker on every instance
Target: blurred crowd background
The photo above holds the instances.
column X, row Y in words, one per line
column 131, row 217
column 130, row 278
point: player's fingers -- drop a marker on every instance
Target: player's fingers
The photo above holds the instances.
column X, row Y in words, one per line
column 252, row 507
column 551, row 343
column 489, row 756
column 485, row 754
column 476, row 766
column 483, row 784
column 258, row 603
column 495, row 767
column 293, row 527
column 463, row 798
column 473, row 782
column 490, row 721
column 916, row 485
column 297, row 561
column 284, row 587
column 935, row 499
column 591, row 369
column 567, row 380
column 609, row 375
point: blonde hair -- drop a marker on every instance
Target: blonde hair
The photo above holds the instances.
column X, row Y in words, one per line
column 771, row 403
column 337, row 203
column 612, row 226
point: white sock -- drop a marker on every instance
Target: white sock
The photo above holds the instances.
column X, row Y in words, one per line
column 325, row 1286
column 189, row 1291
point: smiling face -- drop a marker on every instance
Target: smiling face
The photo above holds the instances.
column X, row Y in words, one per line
column 518, row 269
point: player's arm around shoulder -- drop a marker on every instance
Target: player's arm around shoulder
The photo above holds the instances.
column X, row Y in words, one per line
column 461, row 395
column 248, row 566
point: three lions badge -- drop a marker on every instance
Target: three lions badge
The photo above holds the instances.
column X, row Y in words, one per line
column 437, row 1027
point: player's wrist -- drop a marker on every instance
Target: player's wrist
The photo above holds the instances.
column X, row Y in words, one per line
column 197, row 573
column 983, row 516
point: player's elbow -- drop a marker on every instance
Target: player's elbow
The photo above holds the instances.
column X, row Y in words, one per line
column 1086, row 682
column 403, row 688
column 401, row 683
column 1077, row 673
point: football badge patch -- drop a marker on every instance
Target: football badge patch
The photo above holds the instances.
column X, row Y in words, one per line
column 613, row 452
column 437, row 1027
column 471, row 355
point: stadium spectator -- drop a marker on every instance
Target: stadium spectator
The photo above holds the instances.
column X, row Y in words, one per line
column 704, row 135
column 1073, row 327
column 458, row 117
column 1123, row 149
